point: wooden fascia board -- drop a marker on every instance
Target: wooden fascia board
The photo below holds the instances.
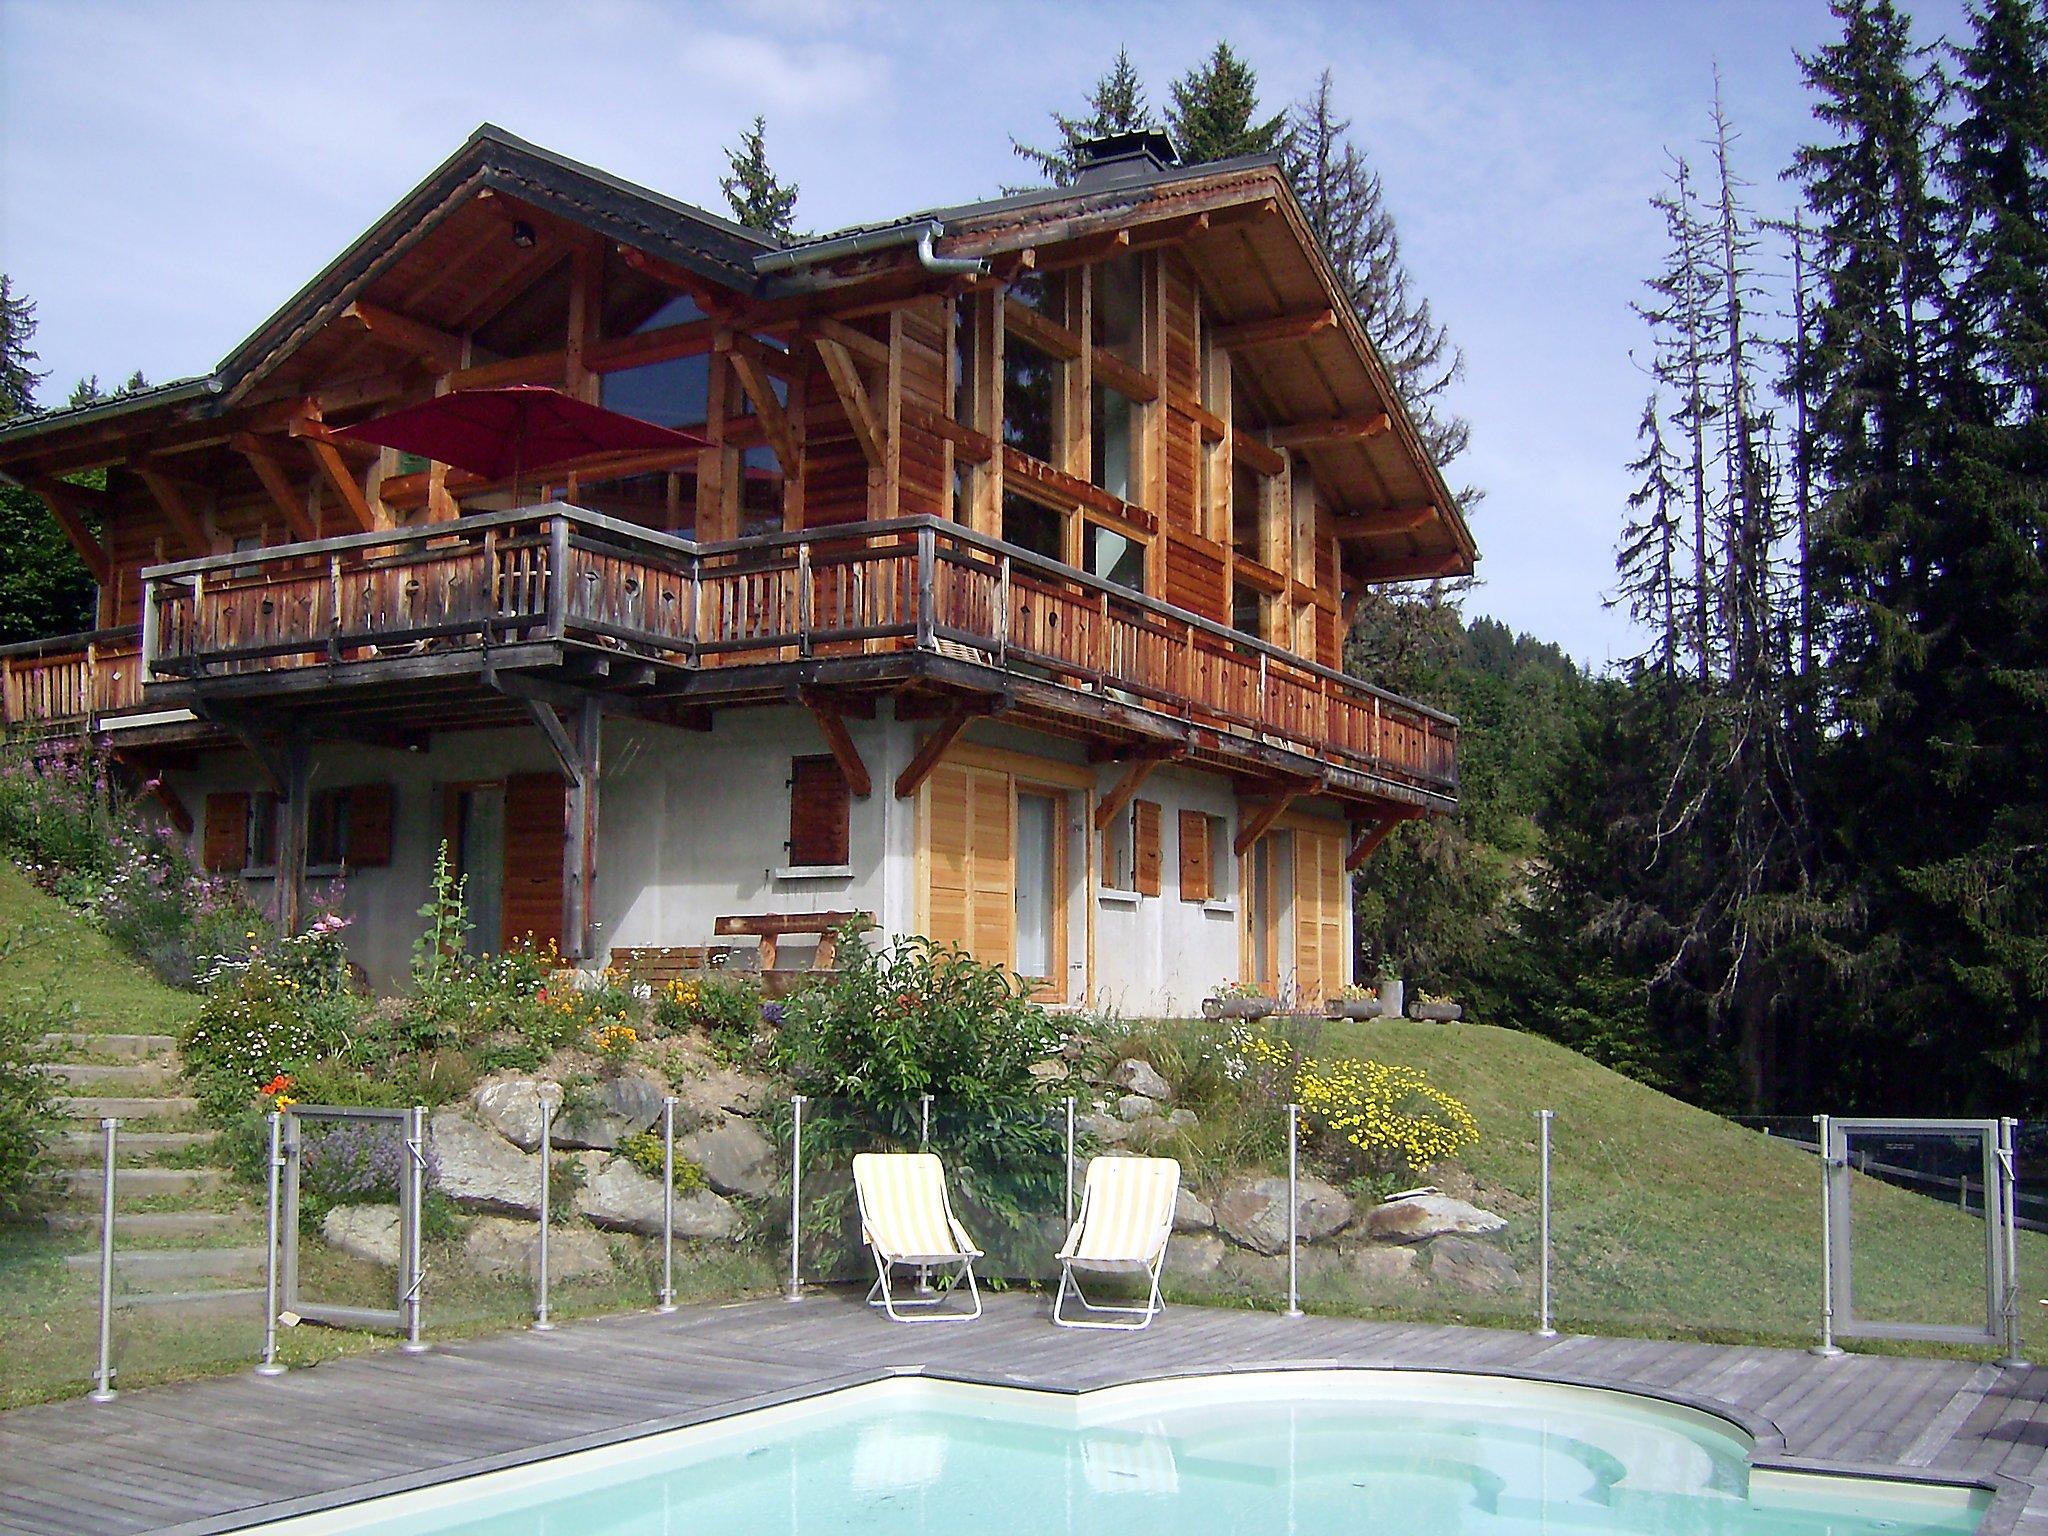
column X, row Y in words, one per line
column 64, row 502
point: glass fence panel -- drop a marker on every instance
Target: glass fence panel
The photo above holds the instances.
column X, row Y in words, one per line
column 1917, row 1251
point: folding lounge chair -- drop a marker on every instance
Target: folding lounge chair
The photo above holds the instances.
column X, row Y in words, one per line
column 907, row 1222
column 1126, row 1218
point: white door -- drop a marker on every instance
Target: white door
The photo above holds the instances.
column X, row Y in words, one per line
column 1037, row 870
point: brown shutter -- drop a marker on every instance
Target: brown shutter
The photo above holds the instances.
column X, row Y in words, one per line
column 535, row 832
column 227, row 832
column 1145, row 846
column 1194, row 856
column 369, row 826
column 820, row 811
column 1320, row 890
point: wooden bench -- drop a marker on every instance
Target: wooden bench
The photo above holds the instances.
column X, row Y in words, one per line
column 660, row 965
column 772, row 927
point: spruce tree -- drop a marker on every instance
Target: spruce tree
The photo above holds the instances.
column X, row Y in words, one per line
column 1214, row 111
column 1651, row 546
column 18, row 374
column 1114, row 104
column 757, row 198
column 45, row 588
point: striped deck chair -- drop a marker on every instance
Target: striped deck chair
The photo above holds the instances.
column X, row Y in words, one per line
column 1126, row 1218
column 907, row 1223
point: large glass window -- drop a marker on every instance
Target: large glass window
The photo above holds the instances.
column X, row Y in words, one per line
column 1117, row 307
column 672, row 393
column 1116, row 557
column 1113, row 424
column 1029, row 376
column 1034, row 526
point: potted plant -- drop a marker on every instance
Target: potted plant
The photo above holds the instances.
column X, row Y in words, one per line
column 1353, row 1002
column 1434, row 1009
column 1238, row 1000
column 1388, row 980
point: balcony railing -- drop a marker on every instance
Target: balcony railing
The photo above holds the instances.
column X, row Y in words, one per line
column 921, row 584
column 68, row 683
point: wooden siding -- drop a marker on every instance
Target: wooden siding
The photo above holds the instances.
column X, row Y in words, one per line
column 1322, row 965
column 970, row 852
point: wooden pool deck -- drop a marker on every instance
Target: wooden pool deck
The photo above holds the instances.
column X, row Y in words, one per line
column 215, row 1455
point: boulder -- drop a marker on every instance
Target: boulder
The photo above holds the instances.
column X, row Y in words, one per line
column 617, row 1107
column 481, row 1169
column 1192, row 1257
column 620, row 1196
column 706, row 1215
column 1182, row 1120
column 1418, row 1218
column 1134, row 1076
column 1191, row 1213
column 1096, row 1126
column 511, row 1106
column 502, row 1248
column 1048, row 1071
column 736, row 1158
column 1136, row 1106
column 1253, row 1212
column 1466, row 1264
column 368, row 1232
column 708, row 1096
column 1378, row 1264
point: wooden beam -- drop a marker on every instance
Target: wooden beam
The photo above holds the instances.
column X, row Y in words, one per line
column 858, row 342
column 66, row 503
column 1382, row 524
column 1256, row 818
column 1122, row 377
column 1088, row 248
column 752, row 370
column 433, row 346
column 713, row 298
column 170, row 499
column 1046, row 335
column 1244, row 213
column 853, row 398
column 1255, row 454
column 832, row 726
column 1330, row 429
column 290, row 504
column 975, row 447
column 1121, row 793
column 1166, row 231
column 1293, row 325
column 1370, row 838
column 934, row 748
column 174, row 808
column 1429, row 567
column 345, row 484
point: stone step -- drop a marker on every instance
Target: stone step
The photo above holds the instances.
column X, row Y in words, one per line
column 137, row 1078
column 142, row 1224
column 126, row 1047
column 87, row 1146
column 165, row 1268
column 102, row 1107
column 234, row 1298
column 137, row 1182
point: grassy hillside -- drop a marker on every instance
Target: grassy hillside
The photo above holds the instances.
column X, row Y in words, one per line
column 48, row 953
column 1667, row 1218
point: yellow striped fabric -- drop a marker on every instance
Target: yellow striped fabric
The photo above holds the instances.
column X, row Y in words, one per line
column 903, row 1210
column 1126, row 1210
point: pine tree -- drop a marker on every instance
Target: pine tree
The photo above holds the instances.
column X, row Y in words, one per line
column 1650, row 549
column 18, row 375
column 757, row 198
column 1346, row 208
column 1114, row 104
column 1214, row 111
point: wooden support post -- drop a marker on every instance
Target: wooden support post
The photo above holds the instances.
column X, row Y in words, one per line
column 931, row 752
column 1134, row 778
column 844, row 373
column 576, row 744
column 1256, row 818
column 288, row 499
column 1370, row 838
column 294, row 795
column 345, row 484
column 832, row 725
column 170, row 499
column 66, row 502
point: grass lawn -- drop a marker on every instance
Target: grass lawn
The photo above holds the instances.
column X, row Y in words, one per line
column 52, row 953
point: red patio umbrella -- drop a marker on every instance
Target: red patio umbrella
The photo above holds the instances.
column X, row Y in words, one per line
column 500, row 433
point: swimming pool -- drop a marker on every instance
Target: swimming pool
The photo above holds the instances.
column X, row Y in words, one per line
column 1283, row 1451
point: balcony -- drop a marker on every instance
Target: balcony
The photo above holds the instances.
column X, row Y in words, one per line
column 557, row 592
column 67, row 684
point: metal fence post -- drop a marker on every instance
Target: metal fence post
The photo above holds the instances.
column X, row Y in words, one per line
column 103, row 1392
column 1293, row 1210
column 2009, row 1180
column 1070, row 1159
column 668, row 1206
column 1544, row 1330
column 415, row 1196
column 924, row 1122
column 275, row 1164
column 1827, row 1349
column 795, row 1292
column 541, row 1324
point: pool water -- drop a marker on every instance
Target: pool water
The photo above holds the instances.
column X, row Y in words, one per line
column 1320, row 1452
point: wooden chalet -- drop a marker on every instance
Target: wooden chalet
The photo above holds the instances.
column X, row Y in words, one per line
column 1006, row 602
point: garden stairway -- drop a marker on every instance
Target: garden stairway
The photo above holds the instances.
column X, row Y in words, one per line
column 183, row 1235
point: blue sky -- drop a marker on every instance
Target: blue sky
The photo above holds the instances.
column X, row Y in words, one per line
column 170, row 174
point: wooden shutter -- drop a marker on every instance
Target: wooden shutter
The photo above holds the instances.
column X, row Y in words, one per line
column 1145, row 855
column 226, row 847
column 820, row 811
column 1194, row 856
column 1320, row 891
column 970, row 841
column 369, row 826
column 535, row 834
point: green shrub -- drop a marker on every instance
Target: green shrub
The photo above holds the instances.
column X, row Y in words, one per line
column 644, row 1152
column 727, row 1008
column 261, row 1021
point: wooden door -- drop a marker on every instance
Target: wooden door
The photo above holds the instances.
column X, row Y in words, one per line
column 1321, row 889
column 970, row 849
column 535, row 832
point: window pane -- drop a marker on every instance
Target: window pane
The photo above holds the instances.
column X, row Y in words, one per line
column 1118, row 307
column 1034, row 526
column 1114, row 557
column 1028, row 377
column 1111, row 445
column 674, row 393
column 760, row 492
column 1246, row 611
column 1038, row 291
column 963, row 361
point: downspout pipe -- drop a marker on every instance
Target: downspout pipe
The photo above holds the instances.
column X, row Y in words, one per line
column 920, row 236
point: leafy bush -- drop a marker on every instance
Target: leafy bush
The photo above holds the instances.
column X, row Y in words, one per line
column 728, row 1009
column 644, row 1152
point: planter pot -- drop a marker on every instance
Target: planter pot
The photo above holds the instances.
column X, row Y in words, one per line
column 1392, row 994
column 1237, row 1007
column 1437, row 1013
column 1353, row 1008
